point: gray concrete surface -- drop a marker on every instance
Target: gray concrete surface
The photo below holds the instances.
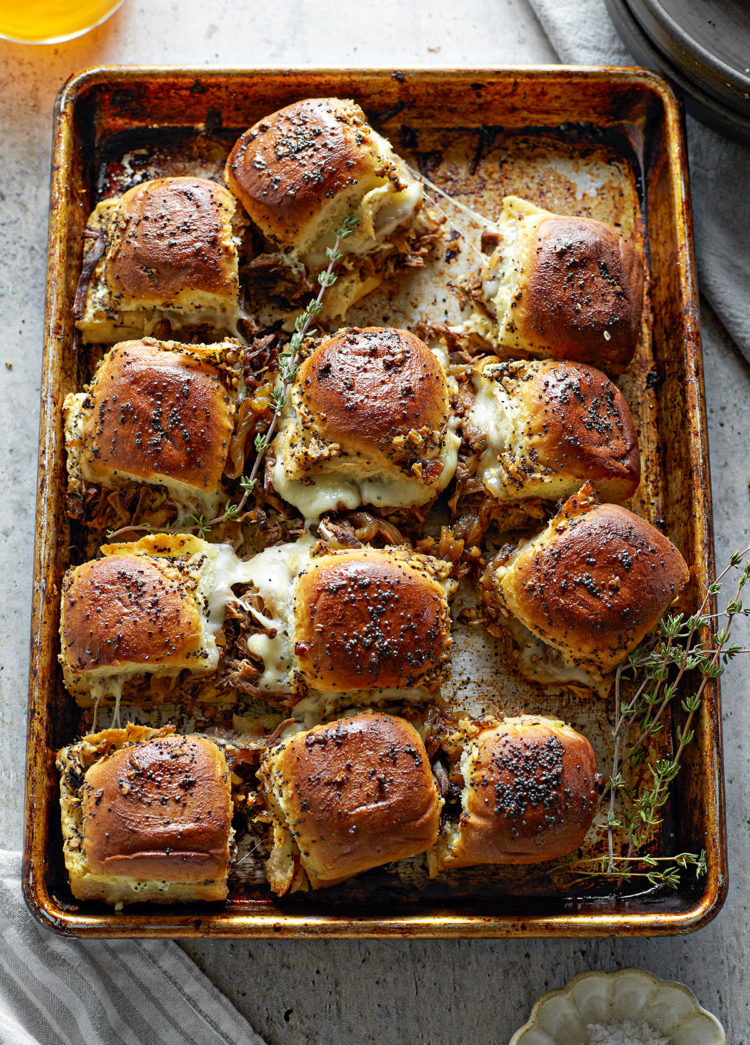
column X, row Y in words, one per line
column 436, row 993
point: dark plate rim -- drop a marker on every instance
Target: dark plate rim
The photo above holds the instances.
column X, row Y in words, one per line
column 699, row 63
column 707, row 109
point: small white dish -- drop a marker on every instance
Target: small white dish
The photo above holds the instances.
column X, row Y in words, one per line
column 561, row 1017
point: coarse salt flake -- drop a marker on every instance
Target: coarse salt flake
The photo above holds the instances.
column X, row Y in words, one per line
column 625, row 1033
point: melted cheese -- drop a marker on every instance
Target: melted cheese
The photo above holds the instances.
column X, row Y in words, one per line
column 223, row 571
column 480, row 324
column 345, row 484
column 382, row 211
column 330, row 491
column 503, row 271
column 501, row 275
column 104, row 321
column 495, row 415
column 379, row 202
column 272, row 574
column 318, row 706
column 542, row 663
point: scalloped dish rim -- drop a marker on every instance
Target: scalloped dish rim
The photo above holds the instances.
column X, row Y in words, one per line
column 594, row 974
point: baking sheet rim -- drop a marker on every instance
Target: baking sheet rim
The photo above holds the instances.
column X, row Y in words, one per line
column 564, row 924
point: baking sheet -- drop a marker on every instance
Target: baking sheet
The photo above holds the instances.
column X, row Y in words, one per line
column 610, row 167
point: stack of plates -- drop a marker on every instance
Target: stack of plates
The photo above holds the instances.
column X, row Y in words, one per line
column 702, row 46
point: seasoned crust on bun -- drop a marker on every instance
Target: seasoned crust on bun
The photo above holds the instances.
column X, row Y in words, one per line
column 323, row 633
column 564, row 287
column 172, row 238
column 549, row 426
column 300, row 171
column 170, row 253
column 591, row 585
column 528, row 796
column 155, row 412
column 372, row 619
column 368, row 422
column 349, row 796
column 146, row 815
column 142, row 609
column 374, row 390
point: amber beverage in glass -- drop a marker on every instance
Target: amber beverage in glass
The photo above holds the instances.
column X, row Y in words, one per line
column 51, row 21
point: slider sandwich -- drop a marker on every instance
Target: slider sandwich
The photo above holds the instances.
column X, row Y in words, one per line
column 166, row 249
column 346, row 797
column 344, row 626
column 367, row 421
column 527, row 794
column 155, row 413
column 172, row 615
column 146, row 816
column 561, row 287
column 540, row 428
column 144, row 615
column 301, row 171
column 578, row 597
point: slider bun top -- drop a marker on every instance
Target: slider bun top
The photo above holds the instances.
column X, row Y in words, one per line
column 159, row 809
column 529, row 794
column 138, row 609
column 376, row 391
column 172, row 244
column 155, row 411
column 575, row 289
column 552, row 425
column 354, row 794
column 300, row 171
column 371, row 619
column 593, row 583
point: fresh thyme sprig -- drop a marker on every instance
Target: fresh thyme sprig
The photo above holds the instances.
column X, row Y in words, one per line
column 288, row 367
column 657, row 870
column 195, row 522
column 659, row 669
column 141, row 528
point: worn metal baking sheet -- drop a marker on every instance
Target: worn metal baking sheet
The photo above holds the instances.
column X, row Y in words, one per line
column 603, row 142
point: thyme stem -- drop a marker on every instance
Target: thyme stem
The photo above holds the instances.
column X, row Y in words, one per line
column 684, row 644
column 289, row 367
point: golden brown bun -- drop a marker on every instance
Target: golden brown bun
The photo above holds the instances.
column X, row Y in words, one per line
column 354, row 794
column 369, row 389
column 146, row 815
column 171, row 234
column 562, row 286
column 284, row 167
column 368, row 424
column 582, row 279
column 122, row 609
column 139, row 609
column 300, row 172
column 156, row 411
column 371, row 619
column 592, row 584
column 529, row 795
column 550, row 426
column 160, row 809
column 170, row 253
